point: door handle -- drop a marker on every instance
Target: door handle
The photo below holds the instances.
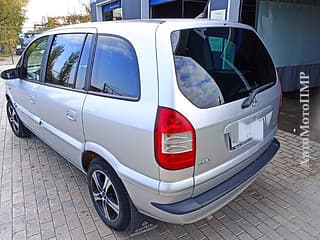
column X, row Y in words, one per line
column 31, row 99
column 71, row 115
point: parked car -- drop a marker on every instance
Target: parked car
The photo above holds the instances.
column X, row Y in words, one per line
column 19, row 50
column 175, row 120
column 24, row 39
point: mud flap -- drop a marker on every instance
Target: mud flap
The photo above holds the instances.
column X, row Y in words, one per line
column 140, row 223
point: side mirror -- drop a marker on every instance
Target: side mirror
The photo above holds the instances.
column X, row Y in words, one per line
column 13, row 73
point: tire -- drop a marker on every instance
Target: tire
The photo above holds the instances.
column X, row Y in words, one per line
column 108, row 195
column 16, row 124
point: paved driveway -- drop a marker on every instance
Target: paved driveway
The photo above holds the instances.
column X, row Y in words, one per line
column 43, row 197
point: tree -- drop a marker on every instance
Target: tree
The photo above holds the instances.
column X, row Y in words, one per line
column 11, row 21
column 67, row 20
column 12, row 13
column 72, row 18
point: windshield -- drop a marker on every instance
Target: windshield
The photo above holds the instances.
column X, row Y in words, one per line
column 220, row 65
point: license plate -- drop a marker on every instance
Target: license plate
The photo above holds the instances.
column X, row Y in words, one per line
column 247, row 131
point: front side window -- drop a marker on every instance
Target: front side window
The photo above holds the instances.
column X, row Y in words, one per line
column 220, row 65
column 33, row 59
column 63, row 59
column 115, row 69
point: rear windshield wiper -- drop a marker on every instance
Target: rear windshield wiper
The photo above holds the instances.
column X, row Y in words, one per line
column 247, row 102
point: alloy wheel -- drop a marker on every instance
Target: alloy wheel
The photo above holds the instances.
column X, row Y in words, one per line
column 13, row 118
column 105, row 196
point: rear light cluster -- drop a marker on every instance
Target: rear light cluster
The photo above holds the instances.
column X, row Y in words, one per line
column 174, row 139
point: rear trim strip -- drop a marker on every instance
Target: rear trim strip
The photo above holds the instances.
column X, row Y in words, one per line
column 193, row 204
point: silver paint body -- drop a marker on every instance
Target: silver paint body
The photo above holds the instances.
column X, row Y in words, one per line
column 122, row 132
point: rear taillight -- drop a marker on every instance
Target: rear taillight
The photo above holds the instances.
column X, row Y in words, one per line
column 174, row 140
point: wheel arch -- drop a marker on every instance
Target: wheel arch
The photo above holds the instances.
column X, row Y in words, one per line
column 127, row 176
column 92, row 151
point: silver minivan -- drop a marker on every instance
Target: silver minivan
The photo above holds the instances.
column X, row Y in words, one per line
column 171, row 118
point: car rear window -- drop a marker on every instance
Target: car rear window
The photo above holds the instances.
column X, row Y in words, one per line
column 220, row 65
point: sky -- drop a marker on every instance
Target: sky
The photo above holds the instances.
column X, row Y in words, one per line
column 37, row 9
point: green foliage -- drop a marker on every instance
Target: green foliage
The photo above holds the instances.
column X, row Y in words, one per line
column 11, row 13
column 11, row 21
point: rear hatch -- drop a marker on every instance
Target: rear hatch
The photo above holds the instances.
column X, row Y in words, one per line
column 230, row 94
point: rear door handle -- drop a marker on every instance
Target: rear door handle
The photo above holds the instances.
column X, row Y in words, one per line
column 71, row 115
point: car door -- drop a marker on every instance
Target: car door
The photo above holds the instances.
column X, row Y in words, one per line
column 24, row 91
column 62, row 94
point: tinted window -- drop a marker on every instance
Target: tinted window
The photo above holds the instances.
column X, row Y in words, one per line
column 33, row 58
column 83, row 65
column 63, row 59
column 115, row 69
column 220, row 65
column 196, row 84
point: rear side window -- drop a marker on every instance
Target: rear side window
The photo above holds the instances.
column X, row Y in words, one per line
column 63, row 59
column 220, row 65
column 115, row 69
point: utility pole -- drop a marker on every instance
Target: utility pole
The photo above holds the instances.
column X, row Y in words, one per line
column 10, row 49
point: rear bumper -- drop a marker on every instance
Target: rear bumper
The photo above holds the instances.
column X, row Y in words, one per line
column 198, row 207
